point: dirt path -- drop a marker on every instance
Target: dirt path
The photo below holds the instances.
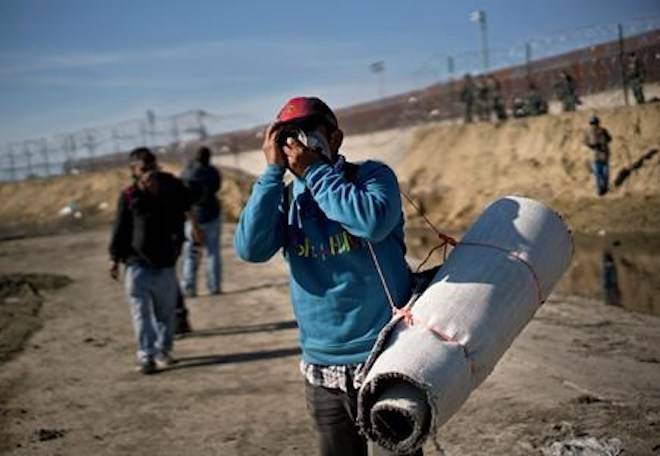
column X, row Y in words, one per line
column 580, row 369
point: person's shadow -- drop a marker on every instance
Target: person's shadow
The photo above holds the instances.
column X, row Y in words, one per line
column 245, row 329
column 242, row 357
column 232, row 358
column 499, row 217
column 260, row 286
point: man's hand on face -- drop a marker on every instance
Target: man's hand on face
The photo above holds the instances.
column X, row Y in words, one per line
column 299, row 156
column 274, row 155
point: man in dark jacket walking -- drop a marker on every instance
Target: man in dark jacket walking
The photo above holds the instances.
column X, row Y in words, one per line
column 146, row 236
column 205, row 181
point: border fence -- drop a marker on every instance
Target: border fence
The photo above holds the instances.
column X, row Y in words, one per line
column 96, row 148
column 597, row 64
column 594, row 56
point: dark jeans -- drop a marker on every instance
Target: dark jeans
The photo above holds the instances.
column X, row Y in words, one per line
column 601, row 170
column 334, row 412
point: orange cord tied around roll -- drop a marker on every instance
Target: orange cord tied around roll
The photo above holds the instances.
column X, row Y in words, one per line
column 405, row 313
column 445, row 240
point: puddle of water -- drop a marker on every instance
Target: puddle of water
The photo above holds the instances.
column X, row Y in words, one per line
column 620, row 271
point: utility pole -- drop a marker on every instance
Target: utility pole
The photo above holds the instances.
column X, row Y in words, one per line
column 72, row 148
column 44, row 153
column 480, row 17
column 378, row 68
column 151, row 122
column 91, row 146
column 528, row 60
column 28, row 155
column 12, row 162
column 624, row 82
column 450, row 71
column 73, row 153
column 175, row 129
column 199, row 115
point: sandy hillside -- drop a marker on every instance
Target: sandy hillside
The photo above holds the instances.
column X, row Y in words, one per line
column 455, row 170
column 32, row 206
column 452, row 170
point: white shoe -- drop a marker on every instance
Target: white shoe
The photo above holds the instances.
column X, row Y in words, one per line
column 164, row 360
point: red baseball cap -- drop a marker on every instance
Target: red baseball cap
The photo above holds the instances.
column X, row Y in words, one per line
column 300, row 108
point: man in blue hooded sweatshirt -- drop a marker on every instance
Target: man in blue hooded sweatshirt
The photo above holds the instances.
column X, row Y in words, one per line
column 326, row 222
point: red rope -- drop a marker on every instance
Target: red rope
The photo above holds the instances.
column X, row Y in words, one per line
column 406, row 312
column 445, row 240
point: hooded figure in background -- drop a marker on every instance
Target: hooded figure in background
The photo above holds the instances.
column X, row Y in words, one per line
column 205, row 181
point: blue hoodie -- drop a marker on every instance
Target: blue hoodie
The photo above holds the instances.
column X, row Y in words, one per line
column 337, row 295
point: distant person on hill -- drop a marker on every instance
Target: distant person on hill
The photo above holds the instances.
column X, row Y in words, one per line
column 566, row 91
column 531, row 103
column 328, row 223
column 598, row 140
column 467, row 97
column 146, row 236
column 205, row 181
column 496, row 101
column 483, row 98
column 536, row 104
column 635, row 74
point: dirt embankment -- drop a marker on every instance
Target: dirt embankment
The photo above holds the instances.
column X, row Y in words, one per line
column 32, row 207
column 20, row 300
column 454, row 171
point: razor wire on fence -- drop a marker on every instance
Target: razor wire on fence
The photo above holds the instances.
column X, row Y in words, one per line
column 95, row 148
column 594, row 56
column 450, row 66
column 597, row 58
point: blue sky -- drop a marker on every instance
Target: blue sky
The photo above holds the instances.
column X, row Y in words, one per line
column 69, row 64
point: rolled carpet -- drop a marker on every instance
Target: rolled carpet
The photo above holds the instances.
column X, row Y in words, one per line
column 435, row 352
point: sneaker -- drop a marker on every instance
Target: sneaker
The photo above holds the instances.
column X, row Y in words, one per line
column 146, row 366
column 164, row 360
column 189, row 293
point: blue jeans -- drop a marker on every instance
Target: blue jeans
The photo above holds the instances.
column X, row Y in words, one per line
column 192, row 254
column 601, row 172
column 152, row 295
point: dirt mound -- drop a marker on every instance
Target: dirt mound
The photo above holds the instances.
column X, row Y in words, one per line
column 20, row 302
column 33, row 206
column 453, row 171
column 20, row 285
